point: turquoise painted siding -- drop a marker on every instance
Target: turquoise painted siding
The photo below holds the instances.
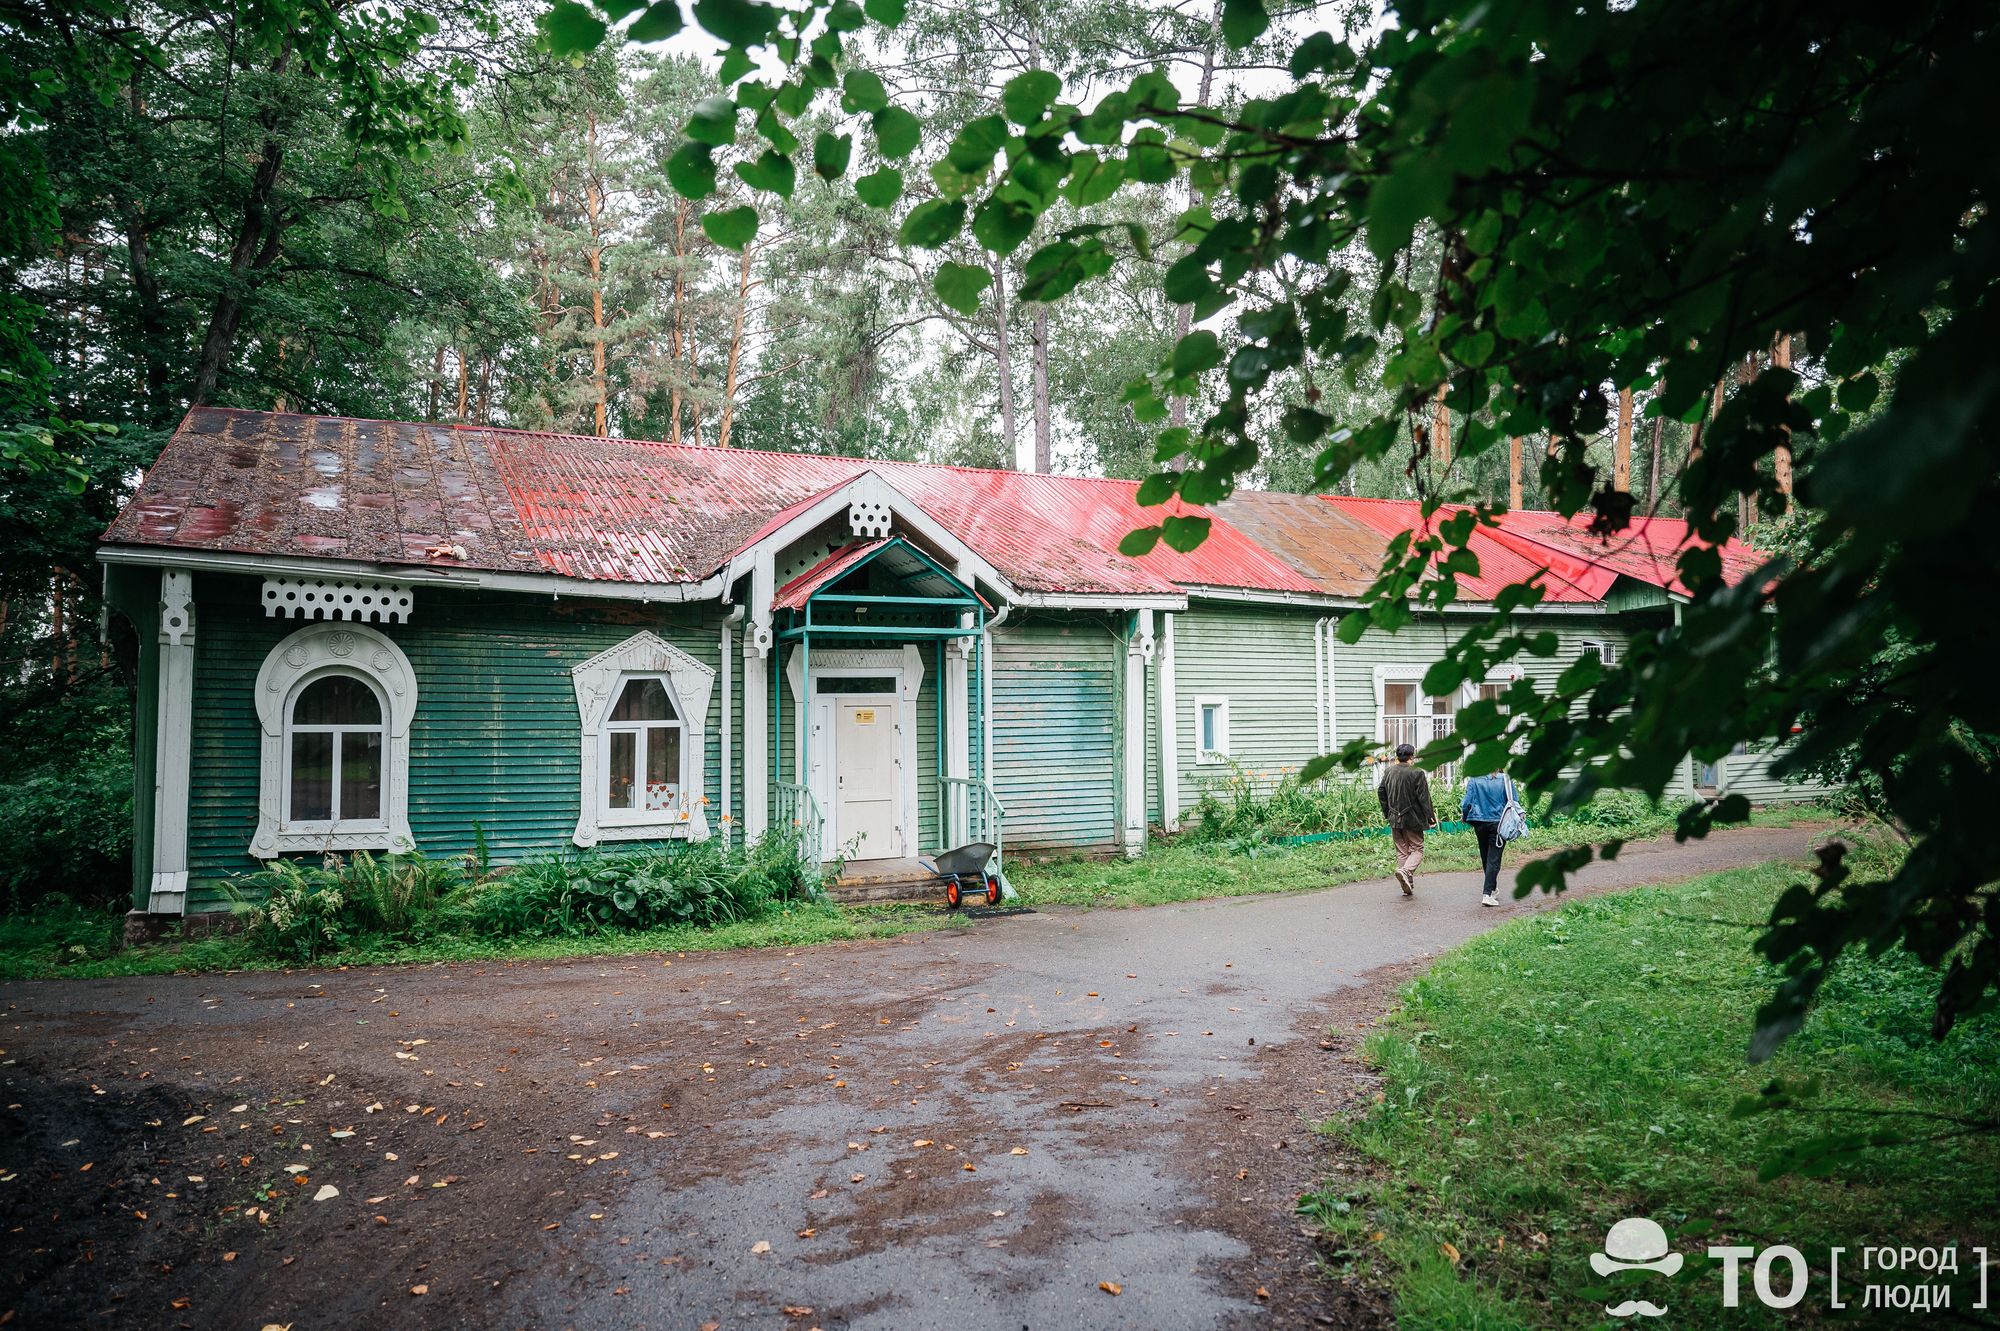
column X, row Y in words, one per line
column 1056, row 681
column 494, row 740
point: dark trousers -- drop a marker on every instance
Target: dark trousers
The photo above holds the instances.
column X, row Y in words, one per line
column 1490, row 850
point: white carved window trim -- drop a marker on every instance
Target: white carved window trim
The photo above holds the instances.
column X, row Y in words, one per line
column 597, row 682
column 337, row 598
column 308, row 655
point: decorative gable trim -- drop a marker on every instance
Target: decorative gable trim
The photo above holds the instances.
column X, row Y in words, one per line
column 596, row 682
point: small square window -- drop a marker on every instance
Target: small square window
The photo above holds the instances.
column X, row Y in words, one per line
column 1607, row 652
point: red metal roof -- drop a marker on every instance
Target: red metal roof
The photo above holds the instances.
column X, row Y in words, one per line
column 794, row 594
column 621, row 510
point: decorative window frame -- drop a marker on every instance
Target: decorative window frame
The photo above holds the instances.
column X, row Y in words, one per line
column 597, row 682
column 321, row 649
column 1212, row 757
column 1607, row 650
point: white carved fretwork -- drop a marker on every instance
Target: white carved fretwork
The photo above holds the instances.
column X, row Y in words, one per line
column 869, row 518
column 307, row 655
column 597, row 682
column 362, row 600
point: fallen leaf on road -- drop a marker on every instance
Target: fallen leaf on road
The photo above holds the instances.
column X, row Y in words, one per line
column 969, row 1167
column 229, row 1257
column 193, row 1119
column 556, row 1225
column 792, row 1310
column 857, row 1178
column 1111, row 1287
column 420, row 1289
column 760, row 1247
column 1451, row 1254
column 1018, row 1150
column 327, row 1192
column 1263, row 1293
column 921, row 1141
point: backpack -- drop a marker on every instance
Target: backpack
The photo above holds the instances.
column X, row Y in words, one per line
column 1513, row 820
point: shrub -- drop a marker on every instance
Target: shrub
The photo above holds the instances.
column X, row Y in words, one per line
column 301, row 911
column 700, row 885
column 66, row 795
column 1243, row 804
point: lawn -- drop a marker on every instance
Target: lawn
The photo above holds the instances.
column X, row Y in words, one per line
column 61, row 939
column 1577, row 1067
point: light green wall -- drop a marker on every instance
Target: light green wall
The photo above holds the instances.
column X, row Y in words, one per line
column 1056, row 727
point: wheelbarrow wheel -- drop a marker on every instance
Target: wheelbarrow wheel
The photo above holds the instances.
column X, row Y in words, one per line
column 952, row 896
column 992, row 891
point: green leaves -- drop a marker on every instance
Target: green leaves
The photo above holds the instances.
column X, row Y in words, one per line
column 888, row 13
column 713, row 121
column 1199, row 350
column 958, row 285
column 661, row 20
column 897, row 132
column 1243, row 22
column 772, row 172
column 863, row 91
column 831, row 154
column 880, row 189
column 1026, row 96
column 1415, row 188
column 733, row 228
column 569, row 29
column 691, row 170
column 933, row 223
column 736, row 22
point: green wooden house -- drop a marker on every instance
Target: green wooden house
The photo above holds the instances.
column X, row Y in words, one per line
column 388, row 636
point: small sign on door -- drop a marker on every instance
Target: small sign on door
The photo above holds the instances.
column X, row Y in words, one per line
column 864, row 716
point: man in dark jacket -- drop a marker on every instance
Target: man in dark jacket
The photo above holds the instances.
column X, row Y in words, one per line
column 1405, row 794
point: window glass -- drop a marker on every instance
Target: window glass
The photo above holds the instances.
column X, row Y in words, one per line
column 1399, row 699
column 1208, row 727
column 337, row 700
column 663, row 767
column 1492, row 692
column 856, row 684
column 312, row 775
column 361, row 774
column 1444, row 706
column 643, row 700
column 624, row 761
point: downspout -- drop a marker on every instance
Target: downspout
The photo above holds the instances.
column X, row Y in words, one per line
column 1319, row 684
column 733, row 618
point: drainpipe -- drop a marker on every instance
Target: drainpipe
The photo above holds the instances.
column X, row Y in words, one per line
column 1319, row 684
column 733, row 618
column 1170, row 736
column 1138, row 651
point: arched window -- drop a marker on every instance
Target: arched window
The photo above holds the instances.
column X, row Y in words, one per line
column 645, row 756
column 333, row 753
column 334, row 702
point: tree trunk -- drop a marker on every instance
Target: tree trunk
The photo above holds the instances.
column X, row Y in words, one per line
column 1441, row 431
column 1621, row 448
column 1781, row 358
column 1514, row 473
column 735, row 361
column 145, row 284
column 485, row 390
column 255, row 249
column 1044, row 449
column 463, row 383
column 1003, row 358
column 437, row 382
column 1659, row 449
column 593, row 207
column 677, row 324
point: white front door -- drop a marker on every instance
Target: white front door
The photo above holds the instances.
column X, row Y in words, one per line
column 865, row 786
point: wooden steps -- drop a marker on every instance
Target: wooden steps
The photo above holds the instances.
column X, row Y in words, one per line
column 872, row 882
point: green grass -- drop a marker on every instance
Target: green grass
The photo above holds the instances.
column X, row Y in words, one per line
column 1190, row 870
column 65, row 940
column 1573, row 1068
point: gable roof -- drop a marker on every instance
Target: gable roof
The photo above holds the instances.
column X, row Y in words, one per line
column 635, row 511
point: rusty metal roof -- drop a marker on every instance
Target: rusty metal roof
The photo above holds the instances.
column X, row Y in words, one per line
column 618, row 510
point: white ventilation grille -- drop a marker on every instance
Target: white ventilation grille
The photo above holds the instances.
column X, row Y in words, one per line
column 335, row 598
column 868, row 518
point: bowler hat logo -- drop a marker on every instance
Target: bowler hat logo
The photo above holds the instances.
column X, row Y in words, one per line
column 1636, row 1244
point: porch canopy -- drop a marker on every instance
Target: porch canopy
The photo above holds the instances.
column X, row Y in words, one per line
column 879, row 600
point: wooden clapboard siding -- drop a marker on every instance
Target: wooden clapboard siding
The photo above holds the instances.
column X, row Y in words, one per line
column 1056, row 730
column 1261, row 659
column 494, row 742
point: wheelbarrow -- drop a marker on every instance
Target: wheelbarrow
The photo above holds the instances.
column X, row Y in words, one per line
column 964, row 871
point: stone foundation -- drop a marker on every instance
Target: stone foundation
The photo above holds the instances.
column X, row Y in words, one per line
column 147, row 927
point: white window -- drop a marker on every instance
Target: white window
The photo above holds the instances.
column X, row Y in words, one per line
column 335, row 703
column 645, row 759
column 1405, row 714
column 642, row 709
column 333, row 755
column 1211, row 730
column 1607, row 652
